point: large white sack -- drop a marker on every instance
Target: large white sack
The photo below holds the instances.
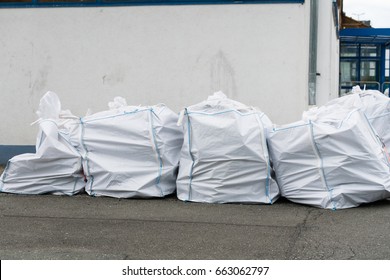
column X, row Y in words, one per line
column 130, row 151
column 333, row 159
column 374, row 104
column 224, row 156
column 56, row 166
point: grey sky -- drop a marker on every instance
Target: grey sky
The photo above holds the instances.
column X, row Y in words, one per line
column 378, row 11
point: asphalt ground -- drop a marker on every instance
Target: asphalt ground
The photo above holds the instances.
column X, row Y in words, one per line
column 84, row 227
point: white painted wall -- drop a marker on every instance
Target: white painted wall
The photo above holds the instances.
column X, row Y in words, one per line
column 257, row 54
column 327, row 55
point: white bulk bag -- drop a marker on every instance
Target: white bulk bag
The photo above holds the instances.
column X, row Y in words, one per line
column 374, row 104
column 224, row 156
column 56, row 166
column 332, row 159
column 130, row 151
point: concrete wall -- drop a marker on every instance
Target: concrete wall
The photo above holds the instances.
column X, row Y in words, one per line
column 178, row 55
column 327, row 55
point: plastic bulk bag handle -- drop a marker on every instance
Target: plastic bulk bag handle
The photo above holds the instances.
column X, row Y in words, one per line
column 50, row 109
column 181, row 117
column 117, row 103
column 49, row 106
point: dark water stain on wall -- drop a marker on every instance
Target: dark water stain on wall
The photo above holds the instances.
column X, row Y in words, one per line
column 222, row 75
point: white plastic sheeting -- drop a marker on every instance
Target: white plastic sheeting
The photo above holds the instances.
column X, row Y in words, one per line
column 130, row 151
column 56, row 166
column 374, row 104
column 224, row 156
column 331, row 159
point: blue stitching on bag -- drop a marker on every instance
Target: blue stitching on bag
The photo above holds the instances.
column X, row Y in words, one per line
column 264, row 141
column 222, row 112
column 274, row 129
column 322, row 167
column 86, row 158
column 191, row 155
column 115, row 116
column 158, row 153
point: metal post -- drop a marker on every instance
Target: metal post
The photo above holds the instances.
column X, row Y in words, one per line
column 313, row 52
column 382, row 66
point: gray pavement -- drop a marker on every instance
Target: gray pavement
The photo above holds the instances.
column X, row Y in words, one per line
column 83, row 227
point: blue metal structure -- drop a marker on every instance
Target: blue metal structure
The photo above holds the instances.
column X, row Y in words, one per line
column 9, row 151
column 364, row 58
column 102, row 3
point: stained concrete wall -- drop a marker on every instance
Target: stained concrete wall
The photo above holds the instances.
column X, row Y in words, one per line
column 178, row 55
column 327, row 55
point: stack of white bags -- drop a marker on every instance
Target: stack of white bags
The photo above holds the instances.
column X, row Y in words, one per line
column 217, row 151
column 127, row 151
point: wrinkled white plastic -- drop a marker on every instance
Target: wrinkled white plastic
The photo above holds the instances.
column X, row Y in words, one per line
column 374, row 104
column 117, row 103
column 130, row 151
column 224, row 156
column 56, row 166
column 332, row 159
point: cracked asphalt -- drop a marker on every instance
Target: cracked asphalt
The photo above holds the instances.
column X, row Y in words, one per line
column 83, row 227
